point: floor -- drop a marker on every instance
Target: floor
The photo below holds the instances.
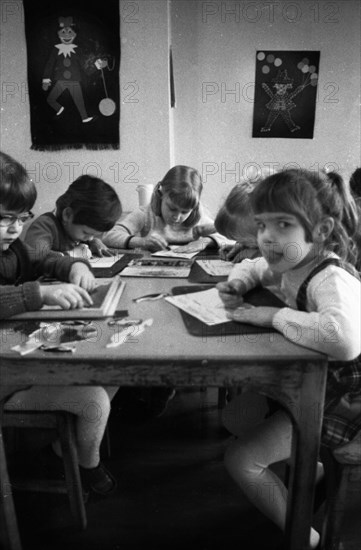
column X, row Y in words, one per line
column 173, row 490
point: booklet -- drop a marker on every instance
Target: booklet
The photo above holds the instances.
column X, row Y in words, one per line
column 158, row 267
column 175, row 251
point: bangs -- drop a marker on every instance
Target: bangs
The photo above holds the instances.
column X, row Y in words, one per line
column 273, row 195
column 17, row 191
column 184, row 196
column 19, row 196
column 289, row 191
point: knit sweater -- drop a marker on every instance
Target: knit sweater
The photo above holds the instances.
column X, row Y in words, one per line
column 20, row 266
column 141, row 223
column 47, row 233
column 332, row 322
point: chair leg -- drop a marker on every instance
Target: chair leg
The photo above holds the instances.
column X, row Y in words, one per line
column 72, row 475
column 336, row 488
column 9, row 532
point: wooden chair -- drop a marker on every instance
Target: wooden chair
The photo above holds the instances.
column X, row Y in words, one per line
column 64, row 423
column 343, row 478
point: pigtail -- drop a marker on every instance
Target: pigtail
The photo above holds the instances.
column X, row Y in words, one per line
column 156, row 199
column 345, row 214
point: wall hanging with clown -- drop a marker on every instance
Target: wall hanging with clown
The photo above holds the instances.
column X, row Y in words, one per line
column 285, row 94
column 73, row 51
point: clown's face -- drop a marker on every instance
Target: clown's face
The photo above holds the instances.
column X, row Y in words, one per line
column 281, row 89
column 66, row 35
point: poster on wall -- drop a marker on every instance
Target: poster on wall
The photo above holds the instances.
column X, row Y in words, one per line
column 73, row 59
column 285, row 93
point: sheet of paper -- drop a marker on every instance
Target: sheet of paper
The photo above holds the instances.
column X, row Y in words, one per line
column 205, row 306
column 216, row 268
column 172, row 253
column 105, row 261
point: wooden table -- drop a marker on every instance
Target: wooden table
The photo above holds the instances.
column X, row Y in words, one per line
column 165, row 354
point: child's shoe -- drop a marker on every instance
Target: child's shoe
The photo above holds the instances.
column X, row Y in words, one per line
column 99, row 480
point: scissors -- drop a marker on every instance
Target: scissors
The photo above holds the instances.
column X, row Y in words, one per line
column 150, row 297
column 125, row 322
column 60, row 348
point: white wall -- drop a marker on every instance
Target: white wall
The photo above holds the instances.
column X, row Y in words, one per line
column 215, row 42
column 210, row 44
column 144, row 117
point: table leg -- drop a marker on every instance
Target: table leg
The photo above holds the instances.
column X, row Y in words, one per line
column 307, row 416
column 9, row 533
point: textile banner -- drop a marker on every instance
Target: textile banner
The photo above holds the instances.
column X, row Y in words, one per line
column 73, row 56
column 285, row 94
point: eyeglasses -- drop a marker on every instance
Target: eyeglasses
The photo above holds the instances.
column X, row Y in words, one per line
column 8, row 219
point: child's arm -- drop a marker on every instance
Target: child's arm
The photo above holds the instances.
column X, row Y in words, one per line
column 239, row 251
column 81, row 275
column 41, row 236
column 31, row 296
column 65, row 295
column 203, row 230
column 332, row 325
column 243, row 277
column 63, row 268
column 123, row 232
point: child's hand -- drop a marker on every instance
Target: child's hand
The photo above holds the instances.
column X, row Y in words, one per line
column 192, row 247
column 80, row 251
column 154, row 242
column 203, row 230
column 261, row 316
column 98, row 248
column 238, row 252
column 231, row 293
column 81, row 275
column 65, row 295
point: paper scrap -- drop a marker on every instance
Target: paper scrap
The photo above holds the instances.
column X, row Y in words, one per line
column 216, row 268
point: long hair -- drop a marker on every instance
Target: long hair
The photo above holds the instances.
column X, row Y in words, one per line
column 312, row 196
column 94, row 203
column 17, row 191
column 183, row 185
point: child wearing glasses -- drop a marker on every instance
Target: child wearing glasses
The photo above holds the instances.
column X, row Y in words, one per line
column 83, row 213
column 20, row 291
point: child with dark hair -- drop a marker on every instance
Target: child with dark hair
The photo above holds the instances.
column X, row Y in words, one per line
column 20, row 291
column 83, row 213
column 355, row 184
column 306, row 224
column 235, row 221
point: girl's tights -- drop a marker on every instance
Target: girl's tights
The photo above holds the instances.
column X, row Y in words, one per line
column 248, row 459
column 90, row 404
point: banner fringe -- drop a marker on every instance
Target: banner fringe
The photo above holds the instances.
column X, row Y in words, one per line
column 68, row 146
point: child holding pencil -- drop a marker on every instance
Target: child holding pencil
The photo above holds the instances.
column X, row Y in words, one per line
column 175, row 216
column 306, row 224
column 83, row 213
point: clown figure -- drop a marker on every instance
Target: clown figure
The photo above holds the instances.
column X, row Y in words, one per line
column 281, row 101
column 63, row 69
